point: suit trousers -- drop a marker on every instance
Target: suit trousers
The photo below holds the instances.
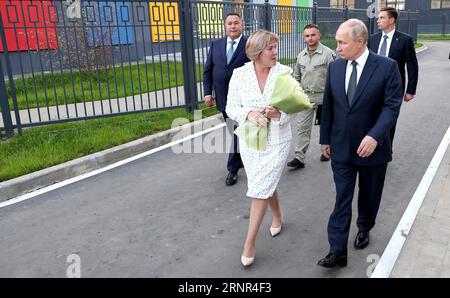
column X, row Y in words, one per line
column 371, row 182
column 234, row 157
column 304, row 128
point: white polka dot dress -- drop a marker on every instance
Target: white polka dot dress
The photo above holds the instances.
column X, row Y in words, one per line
column 263, row 168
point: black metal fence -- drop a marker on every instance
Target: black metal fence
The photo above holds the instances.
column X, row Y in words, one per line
column 79, row 59
column 436, row 24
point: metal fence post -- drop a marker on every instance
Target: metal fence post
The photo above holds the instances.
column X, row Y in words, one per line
column 4, row 100
column 314, row 13
column 444, row 24
column 4, row 104
column 267, row 15
column 12, row 87
column 372, row 20
column 409, row 22
column 347, row 12
column 188, row 55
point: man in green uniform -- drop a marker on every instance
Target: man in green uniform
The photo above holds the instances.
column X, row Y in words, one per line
column 311, row 72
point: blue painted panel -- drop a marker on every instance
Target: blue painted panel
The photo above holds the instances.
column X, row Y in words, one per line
column 109, row 23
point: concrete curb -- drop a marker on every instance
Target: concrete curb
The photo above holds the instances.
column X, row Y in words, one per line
column 12, row 188
column 421, row 49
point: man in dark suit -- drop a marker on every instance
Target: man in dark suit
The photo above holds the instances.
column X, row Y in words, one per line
column 224, row 56
column 398, row 46
column 361, row 102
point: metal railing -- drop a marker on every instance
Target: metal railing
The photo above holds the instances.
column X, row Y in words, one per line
column 437, row 25
column 68, row 60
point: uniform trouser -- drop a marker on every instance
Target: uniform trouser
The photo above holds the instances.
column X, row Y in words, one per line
column 371, row 182
column 304, row 127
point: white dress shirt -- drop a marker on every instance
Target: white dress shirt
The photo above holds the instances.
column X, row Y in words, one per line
column 361, row 60
column 390, row 36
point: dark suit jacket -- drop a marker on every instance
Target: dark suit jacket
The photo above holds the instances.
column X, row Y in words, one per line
column 373, row 111
column 401, row 50
column 217, row 74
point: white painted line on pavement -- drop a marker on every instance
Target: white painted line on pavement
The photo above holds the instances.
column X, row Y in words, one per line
column 104, row 169
column 394, row 247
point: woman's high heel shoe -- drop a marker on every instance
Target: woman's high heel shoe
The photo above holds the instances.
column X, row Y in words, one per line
column 275, row 231
column 246, row 262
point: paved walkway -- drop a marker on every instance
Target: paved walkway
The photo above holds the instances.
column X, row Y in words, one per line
column 426, row 252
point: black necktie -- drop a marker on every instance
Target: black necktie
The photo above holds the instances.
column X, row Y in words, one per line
column 352, row 83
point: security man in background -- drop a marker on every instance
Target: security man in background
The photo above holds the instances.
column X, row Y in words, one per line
column 311, row 72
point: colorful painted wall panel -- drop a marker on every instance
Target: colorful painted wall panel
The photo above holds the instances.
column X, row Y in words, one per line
column 285, row 16
column 210, row 20
column 109, row 23
column 304, row 3
column 164, row 20
column 29, row 25
column 305, row 16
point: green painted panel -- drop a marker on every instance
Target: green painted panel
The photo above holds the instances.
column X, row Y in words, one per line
column 304, row 3
column 306, row 16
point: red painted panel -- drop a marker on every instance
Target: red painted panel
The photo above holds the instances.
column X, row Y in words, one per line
column 29, row 25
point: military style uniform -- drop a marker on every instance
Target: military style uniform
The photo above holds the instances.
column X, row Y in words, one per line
column 311, row 72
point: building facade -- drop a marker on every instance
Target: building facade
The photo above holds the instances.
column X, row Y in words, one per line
column 434, row 15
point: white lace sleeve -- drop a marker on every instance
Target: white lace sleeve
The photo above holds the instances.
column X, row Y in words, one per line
column 284, row 118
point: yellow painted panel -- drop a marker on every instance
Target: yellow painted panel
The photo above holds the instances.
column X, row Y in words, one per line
column 210, row 20
column 285, row 2
column 164, row 21
column 285, row 17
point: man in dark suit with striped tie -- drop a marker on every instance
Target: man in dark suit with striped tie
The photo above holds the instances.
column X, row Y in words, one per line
column 224, row 56
column 361, row 102
column 398, row 46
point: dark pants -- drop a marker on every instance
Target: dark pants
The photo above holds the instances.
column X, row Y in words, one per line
column 371, row 182
column 234, row 158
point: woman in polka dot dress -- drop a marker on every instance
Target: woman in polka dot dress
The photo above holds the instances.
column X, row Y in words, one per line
column 249, row 96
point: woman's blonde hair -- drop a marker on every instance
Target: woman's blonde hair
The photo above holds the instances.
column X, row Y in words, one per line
column 258, row 41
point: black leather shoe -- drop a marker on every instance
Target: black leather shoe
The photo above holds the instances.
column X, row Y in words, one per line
column 361, row 240
column 331, row 260
column 323, row 158
column 296, row 164
column 232, row 178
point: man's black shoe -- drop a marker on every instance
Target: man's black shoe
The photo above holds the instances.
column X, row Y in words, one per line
column 231, row 178
column 331, row 260
column 361, row 240
column 295, row 163
column 323, row 158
